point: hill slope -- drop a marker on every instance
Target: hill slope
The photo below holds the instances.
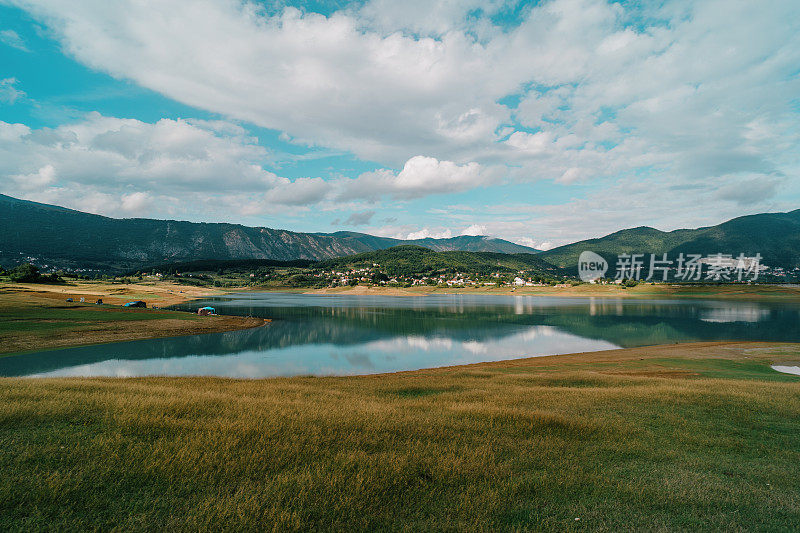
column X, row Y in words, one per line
column 66, row 237
column 776, row 236
column 408, row 260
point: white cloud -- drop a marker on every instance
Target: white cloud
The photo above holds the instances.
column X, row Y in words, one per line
column 41, row 178
column 426, row 233
column 9, row 93
column 319, row 79
column 113, row 165
column 12, row 39
column 670, row 88
column 135, row 202
column 536, row 143
column 475, row 229
column 420, row 176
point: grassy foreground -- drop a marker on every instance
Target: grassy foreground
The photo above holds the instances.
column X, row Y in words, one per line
column 680, row 437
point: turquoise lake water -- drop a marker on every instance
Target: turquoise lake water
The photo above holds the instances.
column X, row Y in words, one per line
column 346, row 335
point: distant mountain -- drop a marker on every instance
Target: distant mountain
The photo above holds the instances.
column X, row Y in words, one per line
column 68, row 238
column 464, row 243
column 776, row 236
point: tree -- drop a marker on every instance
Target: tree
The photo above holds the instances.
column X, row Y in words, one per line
column 25, row 273
column 379, row 277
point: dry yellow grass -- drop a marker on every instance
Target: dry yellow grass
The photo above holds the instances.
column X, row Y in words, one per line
column 683, row 437
column 160, row 293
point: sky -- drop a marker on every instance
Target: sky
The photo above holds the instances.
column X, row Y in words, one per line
column 540, row 122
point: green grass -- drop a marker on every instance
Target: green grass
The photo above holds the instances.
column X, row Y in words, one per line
column 47, row 318
column 520, row 445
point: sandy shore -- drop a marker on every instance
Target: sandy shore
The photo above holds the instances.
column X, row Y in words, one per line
column 744, row 292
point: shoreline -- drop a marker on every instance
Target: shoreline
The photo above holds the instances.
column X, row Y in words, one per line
column 38, row 318
column 732, row 292
column 205, row 329
column 38, row 310
column 165, row 293
column 672, row 352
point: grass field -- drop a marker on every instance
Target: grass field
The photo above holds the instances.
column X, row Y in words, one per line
column 683, row 437
column 36, row 320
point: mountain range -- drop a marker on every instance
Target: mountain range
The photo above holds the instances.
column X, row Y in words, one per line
column 776, row 236
column 67, row 238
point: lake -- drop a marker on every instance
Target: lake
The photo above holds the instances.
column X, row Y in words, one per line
column 346, row 335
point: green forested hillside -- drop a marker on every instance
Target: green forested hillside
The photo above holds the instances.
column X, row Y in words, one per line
column 411, row 260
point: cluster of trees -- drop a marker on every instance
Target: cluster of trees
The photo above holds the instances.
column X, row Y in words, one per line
column 28, row 273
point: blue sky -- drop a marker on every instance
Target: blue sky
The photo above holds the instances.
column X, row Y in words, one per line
column 539, row 122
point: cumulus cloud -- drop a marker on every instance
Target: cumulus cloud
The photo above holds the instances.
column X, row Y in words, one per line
column 474, row 230
column 426, row 233
column 113, row 165
column 536, row 143
column 35, row 180
column 320, row 79
column 420, row 176
column 533, row 243
column 602, row 89
column 135, row 202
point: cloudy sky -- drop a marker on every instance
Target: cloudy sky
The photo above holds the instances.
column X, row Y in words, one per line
column 540, row 122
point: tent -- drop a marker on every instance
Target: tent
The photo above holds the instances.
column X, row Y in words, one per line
column 137, row 303
column 205, row 311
